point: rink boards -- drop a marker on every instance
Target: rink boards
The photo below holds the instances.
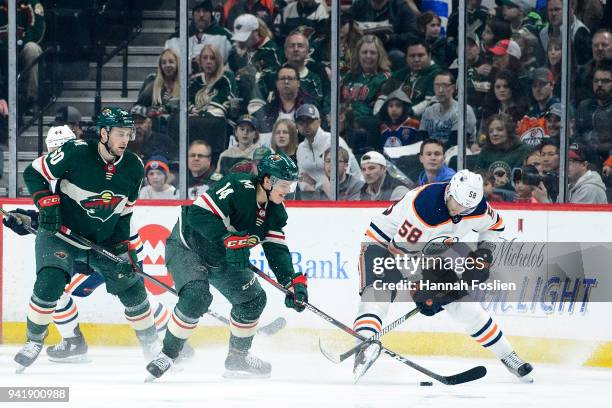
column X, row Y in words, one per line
column 325, row 242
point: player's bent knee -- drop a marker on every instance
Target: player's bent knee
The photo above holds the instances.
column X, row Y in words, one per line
column 134, row 295
column 250, row 310
column 50, row 283
column 194, row 299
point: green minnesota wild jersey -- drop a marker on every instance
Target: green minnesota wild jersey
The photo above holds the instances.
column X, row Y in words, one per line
column 231, row 205
column 96, row 197
column 216, row 101
column 361, row 90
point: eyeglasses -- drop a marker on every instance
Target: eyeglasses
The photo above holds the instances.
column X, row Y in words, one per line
column 287, row 79
column 603, row 81
column 199, row 155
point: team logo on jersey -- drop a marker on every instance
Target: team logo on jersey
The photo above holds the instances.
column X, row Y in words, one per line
column 439, row 245
column 102, row 206
column 154, row 238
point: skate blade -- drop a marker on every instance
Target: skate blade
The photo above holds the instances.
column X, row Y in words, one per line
column 80, row 359
column 243, row 375
column 527, row 379
column 20, row 369
column 150, row 378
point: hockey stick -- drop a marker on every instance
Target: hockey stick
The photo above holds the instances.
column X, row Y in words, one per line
column 470, row 375
column 338, row 358
column 78, row 241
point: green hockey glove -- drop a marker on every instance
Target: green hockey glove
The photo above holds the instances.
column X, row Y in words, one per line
column 49, row 208
column 298, row 292
column 237, row 248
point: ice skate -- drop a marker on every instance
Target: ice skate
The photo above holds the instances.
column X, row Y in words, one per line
column 70, row 350
column 27, row 355
column 365, row 358
column 518, row 367
column 158, row 366
column 241, row 364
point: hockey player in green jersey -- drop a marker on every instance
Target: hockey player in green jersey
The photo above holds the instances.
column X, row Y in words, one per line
column 98, row 183
column 210, row 245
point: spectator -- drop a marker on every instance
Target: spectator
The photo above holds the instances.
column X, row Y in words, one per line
column 348, row 40
column 594, row 117
column 488, row 183
column 581, row 36
column 254, row 54
column 553, row 122
column 395, row 24
column 156, row 172
column 416, row 80
column 201, row 174
column 380, row 185
column 431, row 157
column 31, row 29
column 148, row 143
column 203, row 30
column 398, row 127
column 532, row 55
column 246, row 135
column 311, row 17
column 362, row 85
column 71, row 117
column 478, row 82
column 310, row 150
column 553, row 63
column 285, row 138
column 287, row 98
column 477, row 16
column 440, row 119
column 549, row 154
column 601, row 48
column 296, row 52
column 506, row 55
column 521, row 14
column 160, row 91
column 212, row 91
column 264, row 9
column 502, row 151
column 505, row 96
column 494, row 32
column 429, row 25
column 590, row 12
column 585, row 186
column 349, row 187
column 532, row 128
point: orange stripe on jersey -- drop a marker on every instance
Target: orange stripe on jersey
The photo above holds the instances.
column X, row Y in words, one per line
column 489, row 334
column 497, row 224
column 75, row 283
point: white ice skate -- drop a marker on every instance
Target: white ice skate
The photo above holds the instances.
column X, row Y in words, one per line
column 518, row 367
column 240, row 364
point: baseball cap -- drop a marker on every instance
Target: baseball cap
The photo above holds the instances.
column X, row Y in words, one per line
column 506, row 47
column 139, row 110
column 244, row 25
column 373, row 157
column 555, row 109
column 67, row 114
column 248, row 119
column 157, row 162
column 307, row 111
column 576, row 152
column 205, row 4
column 542, row 74
column 525, row 5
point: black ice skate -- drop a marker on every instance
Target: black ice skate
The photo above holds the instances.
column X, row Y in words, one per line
column 518, row 367
column 241, row 364
column 27, row 355
column 70, row 350
column 158, row 366
column 365, row 357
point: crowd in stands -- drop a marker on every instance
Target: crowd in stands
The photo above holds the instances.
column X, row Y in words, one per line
column 259, row 81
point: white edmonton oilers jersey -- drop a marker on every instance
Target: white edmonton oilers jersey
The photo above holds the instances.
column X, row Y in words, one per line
column 422, row 217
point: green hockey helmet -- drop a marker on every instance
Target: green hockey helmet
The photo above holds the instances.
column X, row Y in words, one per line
column 279, row 167
column 115, row 117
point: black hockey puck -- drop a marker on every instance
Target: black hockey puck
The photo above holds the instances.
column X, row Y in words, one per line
column 425, row 383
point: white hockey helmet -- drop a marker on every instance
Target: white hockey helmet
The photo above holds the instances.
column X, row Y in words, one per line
column 58, row 135
column 466, row 188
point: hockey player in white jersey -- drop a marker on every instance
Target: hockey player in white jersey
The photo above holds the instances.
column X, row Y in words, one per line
column 442, row 213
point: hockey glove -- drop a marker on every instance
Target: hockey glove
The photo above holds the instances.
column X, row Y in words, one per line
column 237, row 248
column 19, row 219
column 298, row 292
column 428, row 301
column 480, row 271
column 49, row 217
column 121, row 249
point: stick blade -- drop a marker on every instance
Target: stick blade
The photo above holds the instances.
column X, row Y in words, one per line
column 274, row 327
column 334, row 358
column 472, row 374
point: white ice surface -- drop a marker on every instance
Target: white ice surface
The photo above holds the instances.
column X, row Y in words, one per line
column 114, row 379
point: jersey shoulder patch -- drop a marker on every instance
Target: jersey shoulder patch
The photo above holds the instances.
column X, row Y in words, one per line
column 429, row 205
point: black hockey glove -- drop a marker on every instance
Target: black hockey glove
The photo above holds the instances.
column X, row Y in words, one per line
column 20, row 218
column 480, row 271
column 298, row 292
column 432, row 301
